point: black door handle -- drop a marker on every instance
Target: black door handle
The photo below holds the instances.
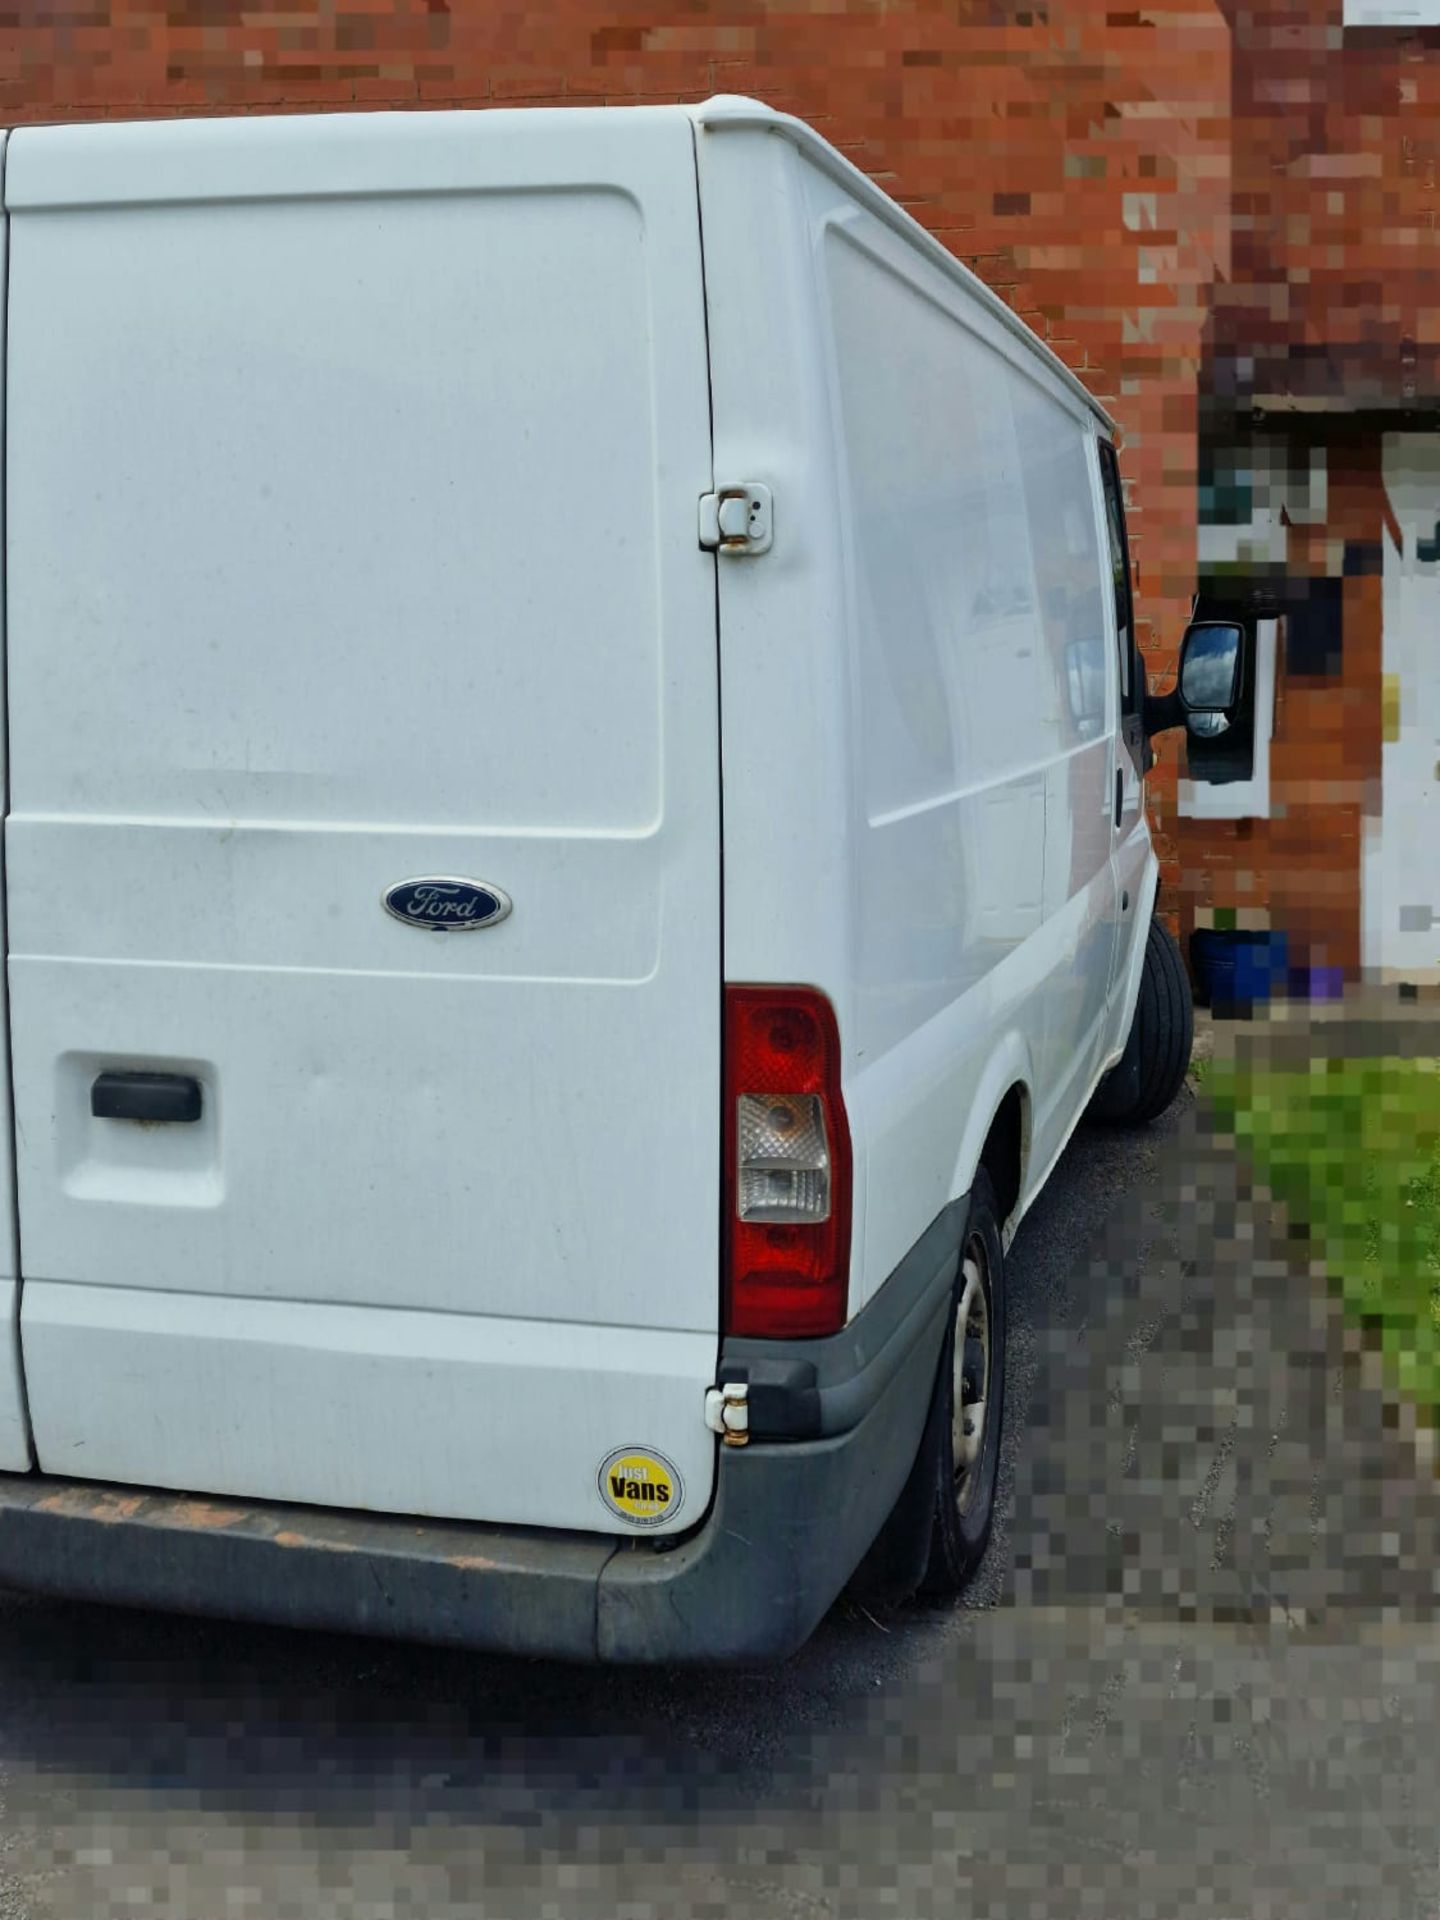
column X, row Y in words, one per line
column 145, row 1096
column 1119, row 794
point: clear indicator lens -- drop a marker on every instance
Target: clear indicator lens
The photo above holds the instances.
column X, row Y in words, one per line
column 783, row 1160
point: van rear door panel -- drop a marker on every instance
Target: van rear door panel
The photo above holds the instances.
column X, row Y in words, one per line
column 352, row 541
column 14, row 1422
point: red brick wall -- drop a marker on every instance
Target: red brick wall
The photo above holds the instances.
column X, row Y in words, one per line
column 1336, row 146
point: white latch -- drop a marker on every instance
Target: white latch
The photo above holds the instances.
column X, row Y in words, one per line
column 737, row 519
column 727, row 1412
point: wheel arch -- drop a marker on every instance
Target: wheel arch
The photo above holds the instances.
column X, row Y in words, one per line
column 1146, row 904
column 998, row 1132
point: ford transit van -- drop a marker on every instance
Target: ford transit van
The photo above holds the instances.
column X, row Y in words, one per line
column 575, row 851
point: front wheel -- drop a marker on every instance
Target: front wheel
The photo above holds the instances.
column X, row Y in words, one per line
column 1152, row 1070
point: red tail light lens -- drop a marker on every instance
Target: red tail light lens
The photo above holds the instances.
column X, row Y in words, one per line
column 787, row 1165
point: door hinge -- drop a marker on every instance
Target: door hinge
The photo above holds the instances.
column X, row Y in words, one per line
column 737, row 519
column 727, row 1412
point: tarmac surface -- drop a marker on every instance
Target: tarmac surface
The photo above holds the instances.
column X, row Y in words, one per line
column 1198, row 1675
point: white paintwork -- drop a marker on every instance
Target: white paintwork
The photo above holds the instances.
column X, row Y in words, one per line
column 1135, row 869
column 246, row 1392
column 898, row 756
column 355, row 479
column 353, row 469
column 1401, row 871
column 15, row 1456
column 732, row 111
column 15, row 1451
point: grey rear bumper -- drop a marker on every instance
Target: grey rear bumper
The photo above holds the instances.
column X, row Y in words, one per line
column 790, row 1521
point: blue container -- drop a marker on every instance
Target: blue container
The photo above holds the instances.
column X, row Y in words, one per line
column 1221, row 994
column 1237, row 971
column 1208, row 950
column 1261, row 964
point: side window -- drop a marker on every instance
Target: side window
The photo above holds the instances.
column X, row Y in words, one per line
column 1130, row 691
column 1065, row 552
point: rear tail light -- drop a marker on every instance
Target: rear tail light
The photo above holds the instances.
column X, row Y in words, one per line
column 787, row 1165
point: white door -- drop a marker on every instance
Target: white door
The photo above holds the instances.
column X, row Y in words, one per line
column 1080, row 884
column 14, row 1426
column 353, row 470
column 1130, row 834
column 1402, row 845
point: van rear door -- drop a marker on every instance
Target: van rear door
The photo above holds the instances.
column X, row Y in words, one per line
column 14, row 1425
column 353, row 468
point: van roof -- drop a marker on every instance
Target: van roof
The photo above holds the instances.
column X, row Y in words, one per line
column 736, row 110
column 107, row 162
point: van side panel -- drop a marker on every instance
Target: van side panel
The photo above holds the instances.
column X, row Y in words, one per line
column 922, row 668
column 984, row 709
column 1137, row 871
column 942, row 865
column 15, row 1455
column 919, row 667
column 1082, row 911
column 354, row 468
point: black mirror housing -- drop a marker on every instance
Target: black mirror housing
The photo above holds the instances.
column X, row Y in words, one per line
column 1208, row 690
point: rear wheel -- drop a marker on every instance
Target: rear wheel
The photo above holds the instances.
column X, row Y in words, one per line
column 1157, row 1054
column 962, row 1435
column 936, row 1534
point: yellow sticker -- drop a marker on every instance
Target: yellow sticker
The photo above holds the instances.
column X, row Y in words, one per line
column 1390, row 707
column 640, row 1486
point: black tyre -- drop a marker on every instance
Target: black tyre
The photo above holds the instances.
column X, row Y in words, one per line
column 960, row 1453
column 1157, row 1054
column 936, row 1534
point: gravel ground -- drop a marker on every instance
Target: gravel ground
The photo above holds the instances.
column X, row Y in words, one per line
column 1197, row 1675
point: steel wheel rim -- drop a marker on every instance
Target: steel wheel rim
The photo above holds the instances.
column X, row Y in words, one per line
column 971, row 1384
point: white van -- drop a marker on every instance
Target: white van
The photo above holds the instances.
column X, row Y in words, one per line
column 575, row 852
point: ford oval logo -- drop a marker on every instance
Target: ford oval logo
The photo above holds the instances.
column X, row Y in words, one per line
column 443, row 905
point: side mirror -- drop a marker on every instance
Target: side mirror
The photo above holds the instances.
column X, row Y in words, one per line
column 1208, row 690
column 1210, row 656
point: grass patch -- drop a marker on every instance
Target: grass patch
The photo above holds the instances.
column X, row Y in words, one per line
column 1353, row 1148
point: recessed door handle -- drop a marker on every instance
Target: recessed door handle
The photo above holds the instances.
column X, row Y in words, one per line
column 167, row 1097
